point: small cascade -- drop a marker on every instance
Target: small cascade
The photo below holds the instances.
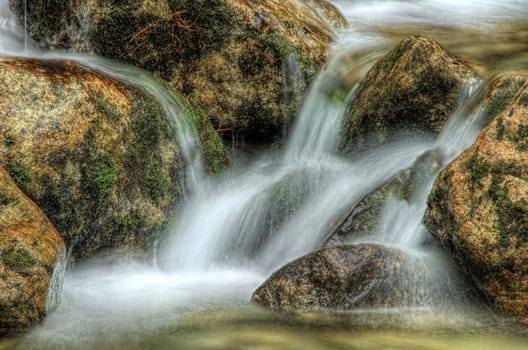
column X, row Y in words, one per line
column 186, row 136
column 232, row 231
column 56, row 283
column 12, row 39
column 231, row 221
column 401, row 221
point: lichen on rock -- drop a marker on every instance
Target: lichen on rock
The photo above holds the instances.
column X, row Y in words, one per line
column 30, row 249
column 98, row 156
column 478, row 207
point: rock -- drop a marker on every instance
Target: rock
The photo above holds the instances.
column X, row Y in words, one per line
column 228, row 56
column 99, row 157
column 478, row 207
column 415, row 87
column 346, row 277
column 30, row 251
column 365, row 217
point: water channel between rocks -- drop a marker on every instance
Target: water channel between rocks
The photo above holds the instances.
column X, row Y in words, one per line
column 227, row 237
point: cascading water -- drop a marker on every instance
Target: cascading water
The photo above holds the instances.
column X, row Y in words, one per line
column 401, row 219
column 236, row 229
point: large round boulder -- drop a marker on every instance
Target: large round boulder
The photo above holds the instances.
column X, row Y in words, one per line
column 346, row 277
column 228, row 56
column 415, row 87
column 478, row 207
column 98, row 156
column 32, row 257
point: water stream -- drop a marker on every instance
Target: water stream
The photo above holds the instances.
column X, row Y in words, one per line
column 234, row 230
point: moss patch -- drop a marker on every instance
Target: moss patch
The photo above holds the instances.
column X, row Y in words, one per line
column 101, row 177
column 504, row 94
column 20, row 174
column 478, row 169
column 19, row 259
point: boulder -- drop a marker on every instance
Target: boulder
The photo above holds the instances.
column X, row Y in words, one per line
column 346, row 277
column 99, row 157
column 228, row 56
column 415, row 88
column 31, row 253
column 478, row 207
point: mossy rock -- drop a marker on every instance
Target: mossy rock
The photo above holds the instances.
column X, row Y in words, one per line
column 348, row 277
column 226, row 55
column 30, row 251
column 365, row 217
column 415, row 88
column 99, row 157
column 478, row 207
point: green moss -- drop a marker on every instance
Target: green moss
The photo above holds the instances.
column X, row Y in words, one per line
column 513, row 221
column 500, row 129
column 190, row 30
column 20, row 175
column 393, row 57
column 101, row 106
column 155, row 180
column 500, row 100
column 130, row 222
column 477, row 167
column 523, row 100
column 214, row 157
column 19, row 260
column 101, row 178
column 9, row 141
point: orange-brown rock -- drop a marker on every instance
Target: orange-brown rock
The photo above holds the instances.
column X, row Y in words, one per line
column 478, row 207
column 99, row 157
column 30, row 251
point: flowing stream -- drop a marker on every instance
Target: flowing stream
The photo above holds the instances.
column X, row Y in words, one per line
column 234, row 230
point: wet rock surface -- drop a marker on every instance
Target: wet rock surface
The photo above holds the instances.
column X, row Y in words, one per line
column 478, row 207
column 415, row 87
column 100, row 158
column 228, row 56
column 30, row 250
column 347, row 277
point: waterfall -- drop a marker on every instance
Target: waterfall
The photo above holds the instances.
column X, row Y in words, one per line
column 186, row 135
column 232, row 231
column 401, row 219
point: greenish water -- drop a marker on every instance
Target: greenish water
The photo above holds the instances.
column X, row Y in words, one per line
column 249, row 327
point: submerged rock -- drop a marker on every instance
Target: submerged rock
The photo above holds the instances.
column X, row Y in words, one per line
column 228, row 56
column 345, row 277
column 100, row 158
column 30, row 250
column 478, row 207
column 415, row 87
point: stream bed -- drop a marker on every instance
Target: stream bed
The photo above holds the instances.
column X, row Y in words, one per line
column 196, row 293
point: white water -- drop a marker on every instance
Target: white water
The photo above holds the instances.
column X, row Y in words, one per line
column 401, row 220
column 227, row 237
